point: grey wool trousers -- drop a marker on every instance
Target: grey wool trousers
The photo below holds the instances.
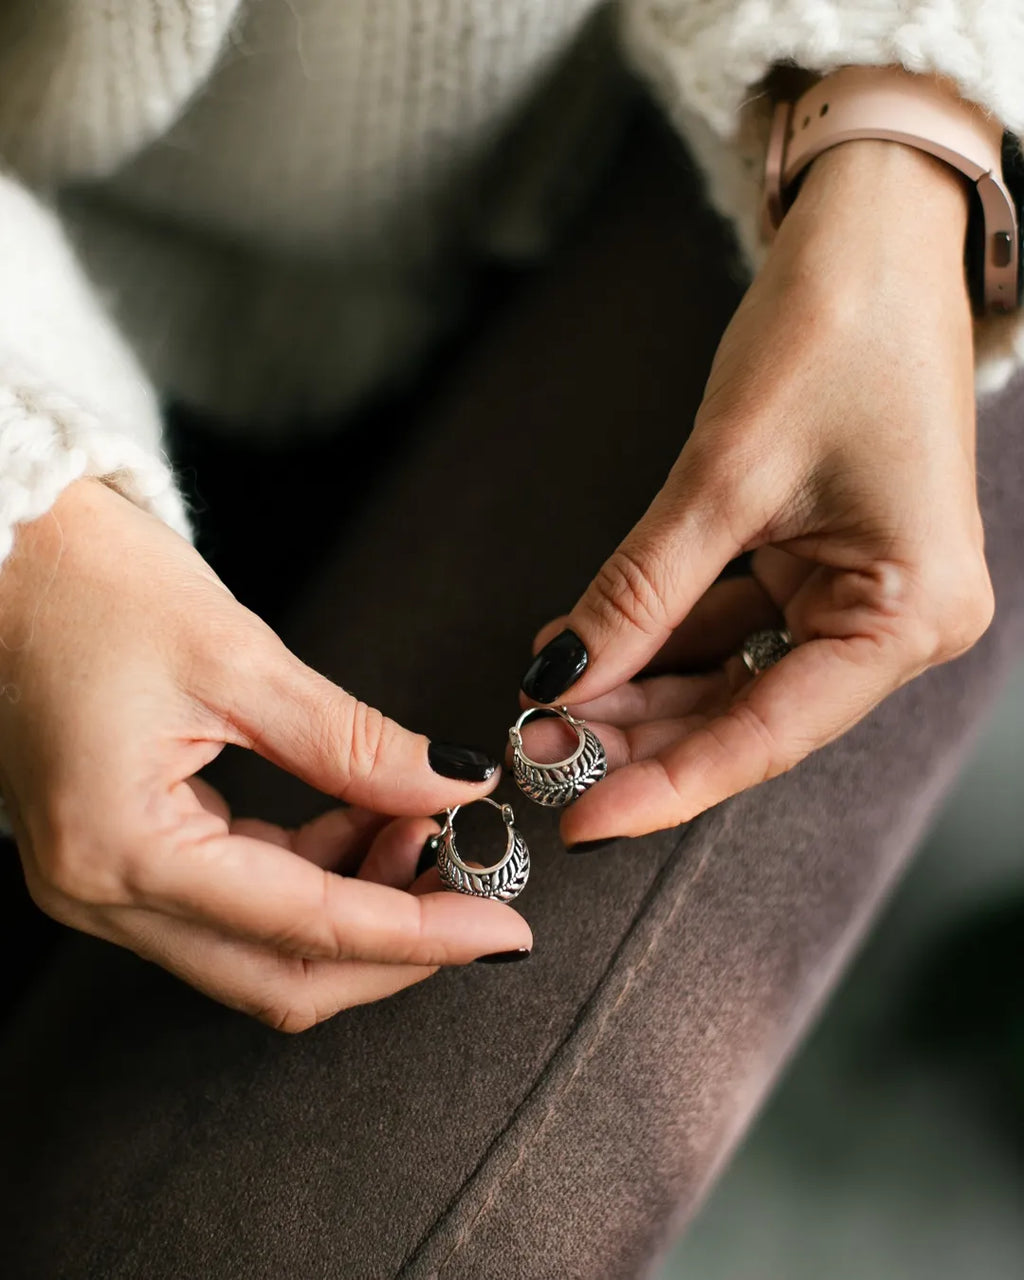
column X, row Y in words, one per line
column 557, row 1119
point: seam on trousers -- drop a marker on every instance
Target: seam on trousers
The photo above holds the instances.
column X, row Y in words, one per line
column 721, row 816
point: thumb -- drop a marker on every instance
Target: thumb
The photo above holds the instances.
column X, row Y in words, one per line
column 640, row 594
column 304, row 723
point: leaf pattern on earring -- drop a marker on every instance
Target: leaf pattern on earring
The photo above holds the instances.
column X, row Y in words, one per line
column 503, row 882
column 557, row 785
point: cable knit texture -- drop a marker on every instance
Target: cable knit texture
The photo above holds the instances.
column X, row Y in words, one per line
column 85, row 84
column 301, row 234
column 275, row 201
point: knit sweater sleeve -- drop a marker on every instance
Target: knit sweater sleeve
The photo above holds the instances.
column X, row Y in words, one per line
column 82, row 87
column 707, row 61
column 73, row 401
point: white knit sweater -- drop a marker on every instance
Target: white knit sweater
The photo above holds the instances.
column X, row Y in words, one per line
column 266, row 201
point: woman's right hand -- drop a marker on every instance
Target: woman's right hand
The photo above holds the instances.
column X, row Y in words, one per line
column 125, row 666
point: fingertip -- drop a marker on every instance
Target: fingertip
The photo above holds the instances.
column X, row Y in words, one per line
column 472, row 926
column 462, row 763
column 592, row 846
column 505, row 957
column 576, row 826
column 455, row 775
column 556, row 668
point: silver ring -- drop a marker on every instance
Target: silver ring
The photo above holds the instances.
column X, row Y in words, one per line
column 504, row 880
column 558, row 783
column 762, row 649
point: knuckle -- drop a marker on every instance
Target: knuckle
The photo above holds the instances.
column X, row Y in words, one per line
column 919, row 634
column 685, row 807
column 713, row 464
column 365, row 739
column 286, row 1016
column 294, row 1019
column 349, row 733
column 771, row 757
column 967, row 621
column 312, row 934
column 83, row 870
column 954, row 613
column 140, row 878
column 231, row 640
column 315, row 932
column 733, row 477
column 252, row 652
column 981, row 608
column 62, row 873
column 290, row 1006
column 46, row 896
column 628, row 589
column 236, row 652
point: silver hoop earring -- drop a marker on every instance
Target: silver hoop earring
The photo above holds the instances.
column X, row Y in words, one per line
column 504, row 881
column 558, row 783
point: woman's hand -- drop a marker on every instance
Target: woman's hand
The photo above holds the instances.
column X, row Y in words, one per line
column 125, row 666
column 836, row 441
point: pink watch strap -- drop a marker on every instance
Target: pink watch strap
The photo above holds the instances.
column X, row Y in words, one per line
column 892, row 104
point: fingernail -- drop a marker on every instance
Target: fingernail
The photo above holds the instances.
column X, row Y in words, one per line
column 504, row 957
column 428, row 857
column 591, row 846
column 465, row 764
column 558, row 665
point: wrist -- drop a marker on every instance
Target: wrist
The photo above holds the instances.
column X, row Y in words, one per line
column 906, row 186
column 915, row 209
column 888, row 205
column 40, row 547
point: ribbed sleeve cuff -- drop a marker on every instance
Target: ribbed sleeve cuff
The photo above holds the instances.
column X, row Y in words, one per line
column 714, row 51
column 47, row 441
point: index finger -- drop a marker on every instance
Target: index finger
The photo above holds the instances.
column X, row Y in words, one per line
column 645, row 588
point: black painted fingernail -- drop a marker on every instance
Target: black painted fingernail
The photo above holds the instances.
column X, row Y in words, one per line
column 592, row 846
column 558, row 665
column 504, row 957
column 428, row 857
column 465, row 764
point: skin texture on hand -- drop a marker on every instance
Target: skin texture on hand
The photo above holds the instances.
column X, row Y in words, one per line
column 125, row 667
column 836, row 442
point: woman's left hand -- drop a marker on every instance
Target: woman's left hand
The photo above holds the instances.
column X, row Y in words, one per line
column 836, row 442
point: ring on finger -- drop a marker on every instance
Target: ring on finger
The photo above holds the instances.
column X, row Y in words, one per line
column 762, row 649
